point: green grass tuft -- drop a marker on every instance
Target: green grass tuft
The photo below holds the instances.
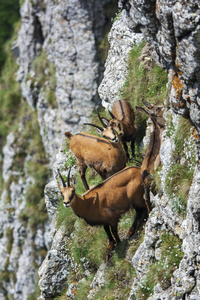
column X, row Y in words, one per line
column 162, row 270
column 180, row 174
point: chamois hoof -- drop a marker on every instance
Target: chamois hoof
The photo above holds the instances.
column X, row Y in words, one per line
column 130, row 232
column 111, row 246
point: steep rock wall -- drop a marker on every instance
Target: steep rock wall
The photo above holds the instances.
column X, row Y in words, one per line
column 59, row 71
column 67, row 31
column 172, row 30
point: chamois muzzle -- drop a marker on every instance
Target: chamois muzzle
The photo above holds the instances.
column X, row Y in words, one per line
column 66, row 204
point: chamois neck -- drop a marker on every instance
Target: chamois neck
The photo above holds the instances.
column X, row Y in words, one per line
column 78, row 205
column 153, row 149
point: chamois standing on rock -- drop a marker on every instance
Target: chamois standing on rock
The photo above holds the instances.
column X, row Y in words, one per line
column 105, row 203
column 104, row 157
column 123, row 119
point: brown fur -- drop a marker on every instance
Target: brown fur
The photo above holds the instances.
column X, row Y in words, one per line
column 123, row 119
column 104, row 157
column 105, row 204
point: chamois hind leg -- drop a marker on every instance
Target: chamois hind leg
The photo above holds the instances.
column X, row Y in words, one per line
column 115, row 233
column 110, row 237
column 141, row 214
column 82, row 170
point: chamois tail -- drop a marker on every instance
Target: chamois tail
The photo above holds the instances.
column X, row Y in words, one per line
column 68, row 135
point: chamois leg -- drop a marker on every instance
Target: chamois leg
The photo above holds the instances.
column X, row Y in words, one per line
column 126, row 149
column 115, row 233
column 110, row 237
column 82, row 170
column 141, row 214
column 133, row 147
column 147, row 198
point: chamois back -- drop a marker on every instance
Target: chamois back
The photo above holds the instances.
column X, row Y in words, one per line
column 104, row 157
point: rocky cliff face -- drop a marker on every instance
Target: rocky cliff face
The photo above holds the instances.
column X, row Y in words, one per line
column 59, row 71
column 58, row 60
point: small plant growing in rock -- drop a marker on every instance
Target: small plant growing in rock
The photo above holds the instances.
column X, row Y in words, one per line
column 143, row 84
column 162, row 270
column 180, row 174
column 43, row 77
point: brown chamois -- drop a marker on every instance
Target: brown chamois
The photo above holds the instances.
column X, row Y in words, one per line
column 152, row 156
column 123, row 119
column 104, row 157
column 105, row 203
column 106, row 132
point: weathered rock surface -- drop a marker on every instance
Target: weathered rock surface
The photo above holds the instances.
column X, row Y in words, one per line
column 68, row 32
column 172, row 28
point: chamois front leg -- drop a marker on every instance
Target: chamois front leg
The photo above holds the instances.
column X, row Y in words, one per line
column 82, row 170
column 141, row 214
column 133, row 147
column 126, row 149
column 111, row 245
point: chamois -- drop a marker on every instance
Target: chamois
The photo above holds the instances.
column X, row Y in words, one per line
column 123, row 119
column 152, row 156
column 105, row 203
column 104, row 157
column 106, row 132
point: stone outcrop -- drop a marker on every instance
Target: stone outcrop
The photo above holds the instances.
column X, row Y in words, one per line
column 67, row 32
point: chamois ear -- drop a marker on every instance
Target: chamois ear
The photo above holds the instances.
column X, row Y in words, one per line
column 98, row 130
column 106, row 121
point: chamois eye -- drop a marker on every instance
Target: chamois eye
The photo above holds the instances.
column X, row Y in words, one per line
column 62, row 195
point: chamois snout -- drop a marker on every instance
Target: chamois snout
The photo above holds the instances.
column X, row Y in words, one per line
column 109, row 134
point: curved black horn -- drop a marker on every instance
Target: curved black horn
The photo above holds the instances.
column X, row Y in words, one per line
column 63, row 182
column 113, row 117
column 100, row 119
column 68, row 177
column 94, row 126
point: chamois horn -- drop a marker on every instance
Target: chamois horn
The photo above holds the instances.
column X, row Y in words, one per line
column 112, row 116
column 96, row 126
column 100, row 119
column 63, row 182
column 68, row 177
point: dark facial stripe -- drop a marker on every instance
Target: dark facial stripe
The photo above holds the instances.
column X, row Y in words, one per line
column 94, row 137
